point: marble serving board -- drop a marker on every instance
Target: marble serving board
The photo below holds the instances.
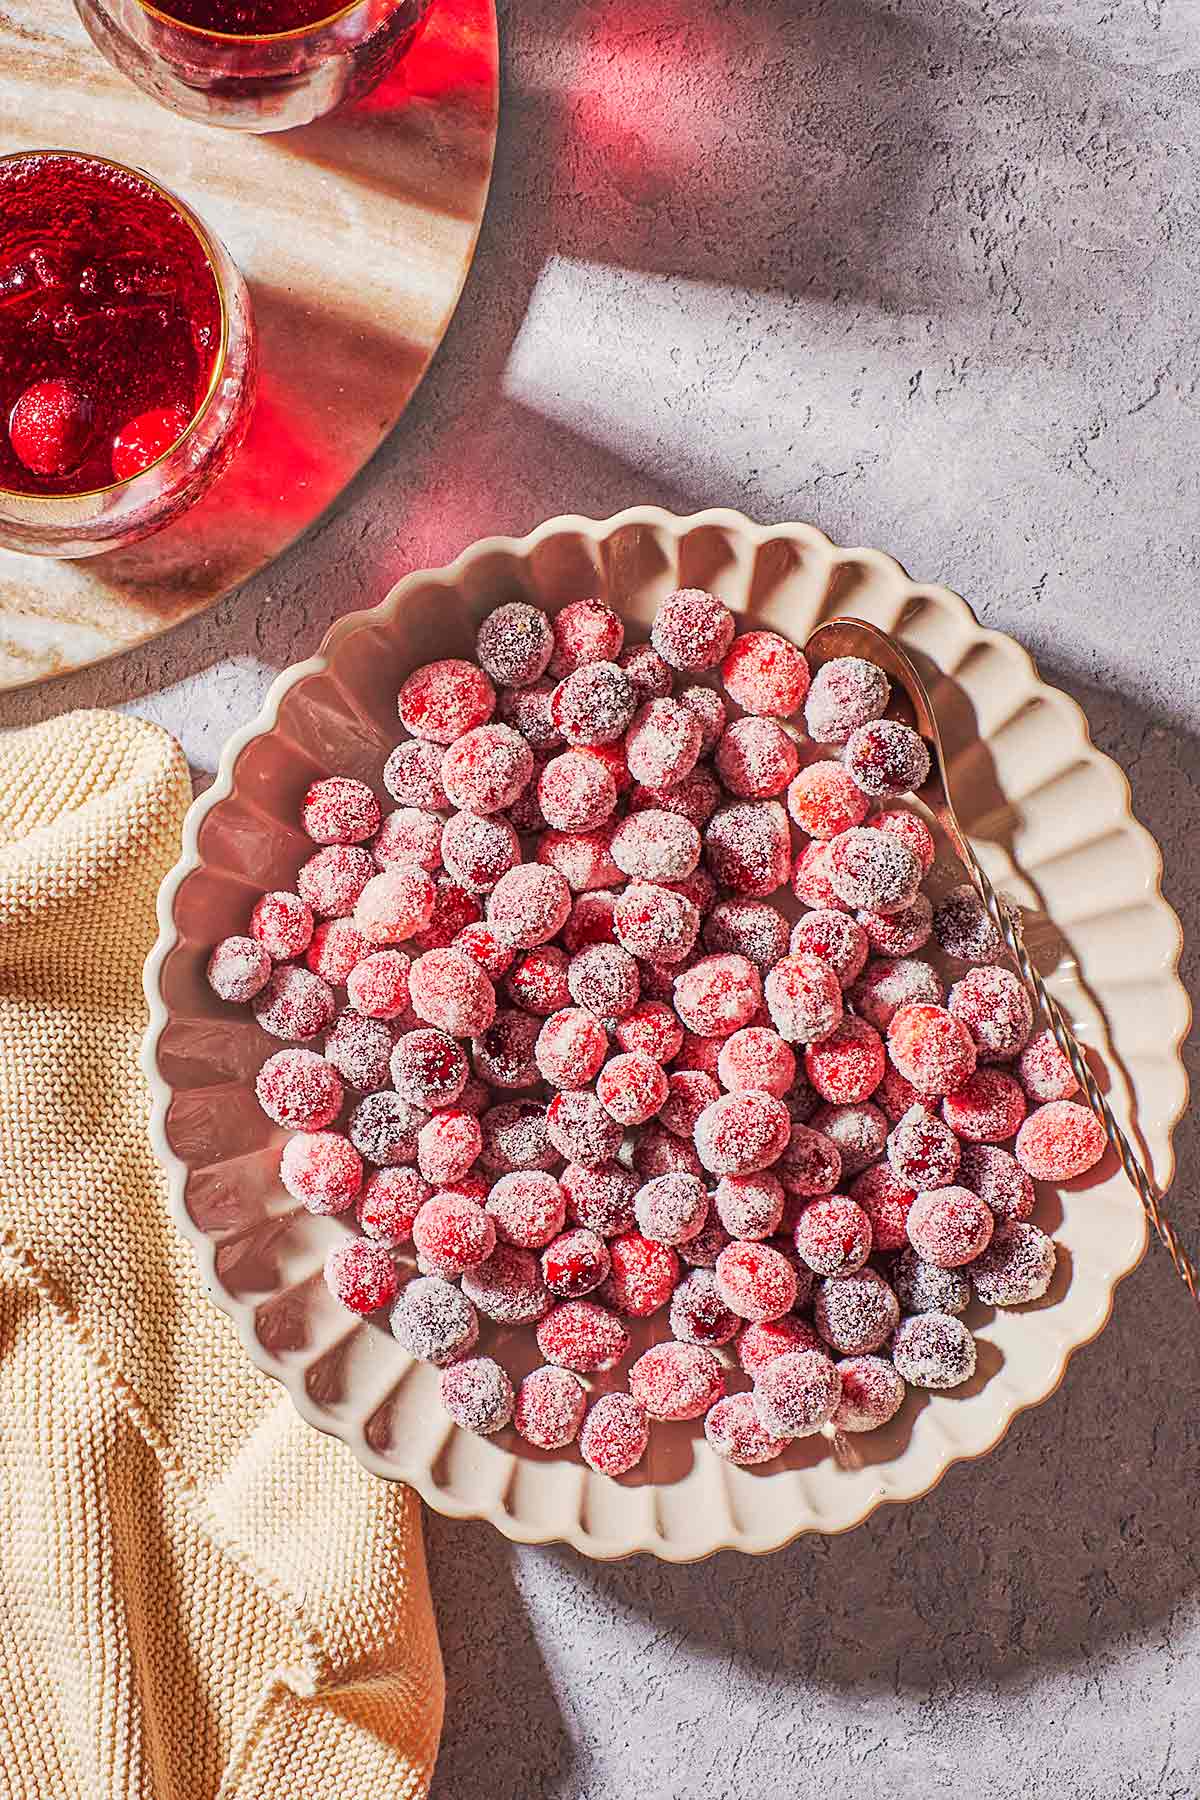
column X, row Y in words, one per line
column 355, row 234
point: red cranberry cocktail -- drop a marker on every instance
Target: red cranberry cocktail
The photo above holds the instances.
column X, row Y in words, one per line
column 127, row 355
column 257, row 65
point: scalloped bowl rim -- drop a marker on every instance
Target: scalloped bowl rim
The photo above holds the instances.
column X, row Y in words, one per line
column 387, row 610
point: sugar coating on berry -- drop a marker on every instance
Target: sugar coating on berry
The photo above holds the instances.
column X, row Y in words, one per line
column 1060, row 1141
column 698, row 1313
column 659, row 1152
column 361, row 1275
column 762, row 1340
column 662, row 743
column 428, row 1069
column 478, row 1395
column 412, row 774
column 844, row 694
column 711, row 711
column 749, row 1206
column 395, row 904
column 503, row 1054
column 581, row 1130
column 797, row 1393
column 650, row 675
column 448, row 1145
column 756, row 1281
column 949, row 1226
column 441, row 701
column 834, row 937
column 507, row 1287
column 998, row 1179
column 804, row 998
column 889, row 983
column 692, row 630
column 922, row 1150
column 571, row 1047
column 833, row 1235
column 748, row 928
column 887, row 759
column 702, row 1251
column 537, row 980
column 655, row 846
column 931, row 1048
column 996, row 1009
column 885, row 1199
column 575, row 1263
column 614, row 1435
column 377, row 986
column 529, row 905
column 872, row 1393
column 811, row 1163
column 238, row 968
column 331, row 881
column 988, row 1108
column 449, row 991
column 340, row 810
column 299, row 1089
column 514, row 644
column 824, row 800
column 873, row 871
column 582, row 1335
column 933, row 1350
column 1016, row 1267
column 695, row 797
column 477, row 851
column 480, row 944
column 855, row 1313
column 737, row 1435
column 294, row 1003
column 594, row 705
column 453, row 908
column 846, row 1066
column 575, row 792
column 601, row 1199
column 337, row 946
column 515, row 1137
column 895, row 1095
column 283, row 924
column 527, row 710
column 1044, row 1070
column 322, row 1170
column 747, row 847
column 810, row 878
column 652, row 922
column 742, row 1133
column 583, row 859
column 911, row 829
column 604, row 980
column 964, row 928
column 434, row 1321
column 383, row 1128
column 718, row 995
column 689, row 1091
column 452, row 1235
column 923, row 1287
column 389, row 1202
column 756, row 1057
column 859, row 1133
column 756, row 758
column 671, row 1208
column 765, row 674
column 643, row 1276
column 899, row 933
column 677, row 1381
column 651, row 1029
column 487, row 769
column 550, row 1407
column 527, row 1207
column 632, row 1087
column 360, row 1049
column 586, row 631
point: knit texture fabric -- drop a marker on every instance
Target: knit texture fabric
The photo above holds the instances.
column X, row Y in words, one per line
column 199, row 1595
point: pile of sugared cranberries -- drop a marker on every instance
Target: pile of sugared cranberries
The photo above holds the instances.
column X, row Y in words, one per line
column 618, row 1015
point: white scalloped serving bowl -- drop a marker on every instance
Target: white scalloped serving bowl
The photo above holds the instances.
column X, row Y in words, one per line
column 1049, row 815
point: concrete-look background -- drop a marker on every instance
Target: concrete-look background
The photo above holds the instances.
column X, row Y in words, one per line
column 926, row 272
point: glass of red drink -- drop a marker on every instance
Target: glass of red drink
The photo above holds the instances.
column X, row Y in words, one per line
column 257, row 65
column 127, row 354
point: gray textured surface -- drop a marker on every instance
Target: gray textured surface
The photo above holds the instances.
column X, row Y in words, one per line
column 926, row 272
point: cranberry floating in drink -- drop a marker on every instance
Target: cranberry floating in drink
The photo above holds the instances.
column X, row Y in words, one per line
column 126, row 355
column 256, row 65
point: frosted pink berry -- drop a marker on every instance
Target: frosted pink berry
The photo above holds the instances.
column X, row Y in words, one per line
column 899, row 933
column 452, row 1235
column 933, row 1350
column 514, row 644
column 537, row 980
column 836, row 938
column 322, row 1170
column 575, row 1263
column 632, row 1087
column 614, row 1435
column 797, row 1393
column 478, row 851
column 756, row 1282
column 389, row 1202
column 361, row 1275
column 825, row 800
column 478, row 1395
column 747, row 847
column 804, row 999
column 582, row 1335
column 594, row 705
column 872, row 1393
column 749, row 1206
column 507, row 1287
column 987, row 1109
column 434, row 1321
column 677, row 1381
column 949, row 1226
column 765, row 674
column 922, row 1150
column 238, row 968
column 581, row 1130
column 601, row 1199
column 756, row 1057
column 671, row 1208
column 412, row 773
column 887, row 759
column 756, row 758
column 441, row 701
column 737, row 1434
column 575, row 792
column 662, row 743
column 711, row 711
column 698, row 1313
column 294, row 1003
column 749, row 928
column 395, row 904
column 550, row 1407
column 643, row 1276
column 283, row 924
column 742, row 1133
column 1044, row 1071
column 337, row 946
column 586, row 631
column 833, row 1236
column 340, row 810
column 529, row 905
column 718, row 995
column 855, row 1313
column 487, row 769
column 692, row 630
column 931, row 1048
column 652, row 922
column 299, row 1089
column 651, row 1029
column 762, row 1340
column 331, row 881
column 847, row 1066
column 1060, row 1141
column 844, row 694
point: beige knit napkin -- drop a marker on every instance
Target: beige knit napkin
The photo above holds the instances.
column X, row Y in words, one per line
column 199, row 1596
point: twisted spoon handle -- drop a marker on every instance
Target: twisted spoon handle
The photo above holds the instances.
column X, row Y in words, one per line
column 1007, row 923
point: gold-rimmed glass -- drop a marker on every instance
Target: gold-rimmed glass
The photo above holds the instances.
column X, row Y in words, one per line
column 103, row 517
column 268, row 81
